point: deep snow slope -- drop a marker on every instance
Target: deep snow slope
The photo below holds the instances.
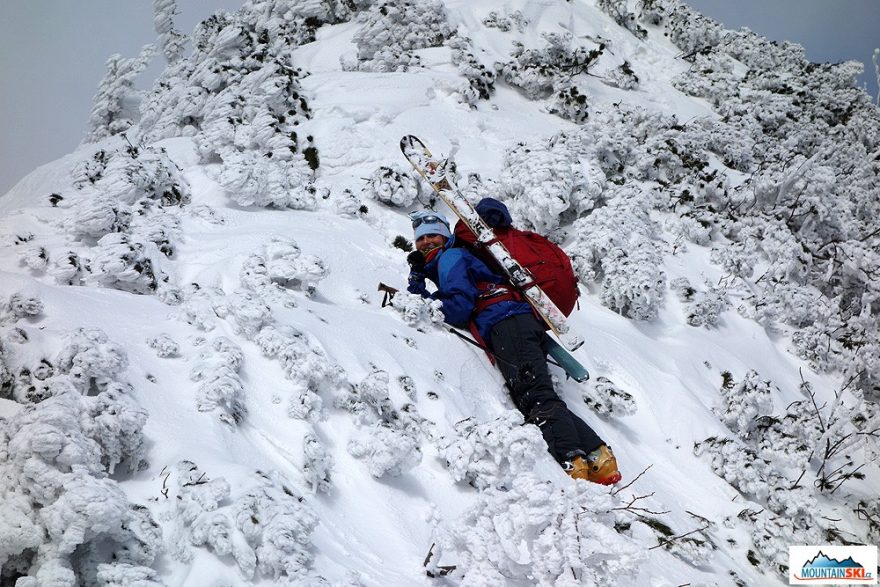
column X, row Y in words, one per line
column 333, row 438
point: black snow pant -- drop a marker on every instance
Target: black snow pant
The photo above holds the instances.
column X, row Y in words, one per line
column 519, row 345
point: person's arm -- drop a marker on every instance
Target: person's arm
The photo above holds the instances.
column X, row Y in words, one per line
column 457, row 289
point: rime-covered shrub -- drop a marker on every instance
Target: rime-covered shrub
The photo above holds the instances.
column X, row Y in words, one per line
column 114, row 420
column 23, row 306
column 492, row 453
column 390, row 30
column 480, row 78
column 317, row 465
column 773, row 534
column 289, row 267
column 743, row 403
column 239, row 98
column 91, row 359
column 622, row 77
column 506, row 22
column 6, row 377
column 691, row 31
column 220, row 386
column 254, row 180
column 633, row 282
column 68, row 268
column 392, row 187
column 63, row 517
column 264, row 526
column 540, row 533
column 418, row 312
column 389, row 439
column 548, row 182
column 121, row 262
column 305, row 363
column 614, row 246
column 202, row 307
column 702, row 308
column 126, row 212
column 35, row 258
column 171, row 41
column 771, row 454
column 248, row 311
column 711, row 76
column 570, row 103
column 114, row 186
column 606, row 399
column 124, row 574
column 165, row 346
column 617, row 9
column 541, row 72
column 655, row 12
column 388, row 451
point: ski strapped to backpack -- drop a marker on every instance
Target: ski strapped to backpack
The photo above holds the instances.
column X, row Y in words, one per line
column 548, row 264
column 434, row 171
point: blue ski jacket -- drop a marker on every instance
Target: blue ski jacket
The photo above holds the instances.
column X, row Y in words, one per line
column 458, row 275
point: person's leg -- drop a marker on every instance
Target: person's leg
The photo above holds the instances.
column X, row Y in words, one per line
column 589, row 440
column 517, row 344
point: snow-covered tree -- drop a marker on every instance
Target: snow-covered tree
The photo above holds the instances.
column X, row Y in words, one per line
column 171, row 41
column 116, row 101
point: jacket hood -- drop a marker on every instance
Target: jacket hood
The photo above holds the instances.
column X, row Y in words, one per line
column 494, row 212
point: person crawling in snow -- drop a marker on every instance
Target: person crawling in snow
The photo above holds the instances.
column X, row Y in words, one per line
column 474, row 296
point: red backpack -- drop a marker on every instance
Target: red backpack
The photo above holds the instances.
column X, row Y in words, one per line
column 547, row 263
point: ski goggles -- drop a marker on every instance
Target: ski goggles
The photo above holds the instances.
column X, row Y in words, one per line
column 429, row 219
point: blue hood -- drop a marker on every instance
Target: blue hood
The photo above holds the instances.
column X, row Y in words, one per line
column 494, row 212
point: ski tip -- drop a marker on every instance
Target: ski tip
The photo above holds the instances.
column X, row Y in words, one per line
column 572, row 342
column 409, row 142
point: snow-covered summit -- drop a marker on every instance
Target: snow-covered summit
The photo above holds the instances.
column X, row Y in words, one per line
column 208, row 391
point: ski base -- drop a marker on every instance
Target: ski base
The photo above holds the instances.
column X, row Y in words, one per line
column 569, row 364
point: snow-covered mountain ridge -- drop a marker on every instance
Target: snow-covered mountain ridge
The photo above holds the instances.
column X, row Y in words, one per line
column 214, row 395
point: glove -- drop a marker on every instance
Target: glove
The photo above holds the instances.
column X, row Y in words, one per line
column 416, row 261
column 416, row 283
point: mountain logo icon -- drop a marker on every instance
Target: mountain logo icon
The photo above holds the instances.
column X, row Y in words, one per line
column 822, row 560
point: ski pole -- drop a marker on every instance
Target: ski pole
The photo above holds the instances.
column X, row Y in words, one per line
column 389, row 295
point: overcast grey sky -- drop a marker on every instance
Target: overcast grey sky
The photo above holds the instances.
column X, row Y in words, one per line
column 52, row 56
